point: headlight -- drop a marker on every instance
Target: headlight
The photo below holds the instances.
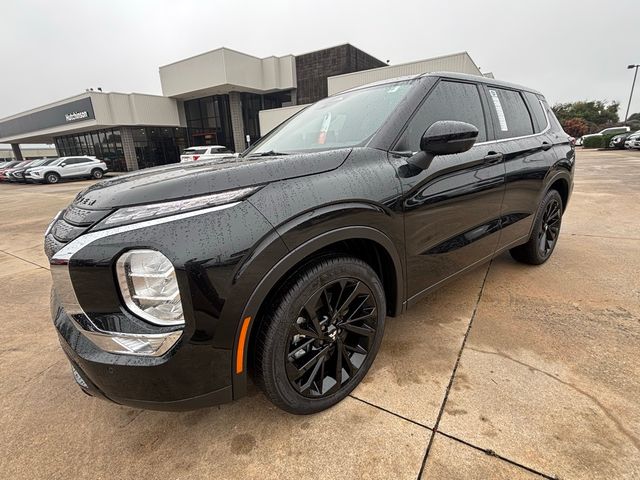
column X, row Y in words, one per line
column 149, row 287
column 140, row 213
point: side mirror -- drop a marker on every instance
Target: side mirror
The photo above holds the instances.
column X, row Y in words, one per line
column 63, row 164
column 444, row 137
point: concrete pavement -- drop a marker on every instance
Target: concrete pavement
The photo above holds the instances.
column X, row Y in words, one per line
column 510, row 372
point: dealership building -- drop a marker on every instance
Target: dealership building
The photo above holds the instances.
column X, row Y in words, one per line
column 221, row 97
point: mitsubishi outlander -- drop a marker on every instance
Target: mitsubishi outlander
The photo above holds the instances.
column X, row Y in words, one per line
column 173, row 286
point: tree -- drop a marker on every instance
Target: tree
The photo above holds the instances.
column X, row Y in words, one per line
column 597, row 112
column 576, row 127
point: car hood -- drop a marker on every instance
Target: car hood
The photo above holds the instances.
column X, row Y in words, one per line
column 181, row 180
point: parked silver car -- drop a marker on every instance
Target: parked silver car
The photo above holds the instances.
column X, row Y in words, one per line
column 67, row 168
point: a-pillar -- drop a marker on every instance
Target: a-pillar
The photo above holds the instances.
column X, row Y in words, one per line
column 16, row 151
column 237, row 123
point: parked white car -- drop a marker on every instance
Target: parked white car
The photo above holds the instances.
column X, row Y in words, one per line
column 633, row 141
column 206, row 152
column 68, row 167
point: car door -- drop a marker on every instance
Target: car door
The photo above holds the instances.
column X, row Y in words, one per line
column 521, row 128
column 452, row 208
column 78, row 167
column 69, row 167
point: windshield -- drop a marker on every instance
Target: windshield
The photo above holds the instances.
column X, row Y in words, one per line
column 344, row 120
column 48, row 162
column 36, row 163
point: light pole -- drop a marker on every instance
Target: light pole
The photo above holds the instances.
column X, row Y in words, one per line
column 632, row 85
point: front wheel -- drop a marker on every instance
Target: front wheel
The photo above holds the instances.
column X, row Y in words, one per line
column 321, row 334
column 52, row 177
column 546, row 229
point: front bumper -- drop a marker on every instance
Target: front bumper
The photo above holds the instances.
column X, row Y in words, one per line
column 176, row 381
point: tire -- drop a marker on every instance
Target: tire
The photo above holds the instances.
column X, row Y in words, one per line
column 304, row 338
column 97, row 173
column 51, row 177
column 545, row 233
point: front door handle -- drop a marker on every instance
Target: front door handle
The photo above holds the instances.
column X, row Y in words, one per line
column 492, row 157
column 546, row 146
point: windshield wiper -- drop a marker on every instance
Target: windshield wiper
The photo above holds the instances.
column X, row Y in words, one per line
column 270, row 153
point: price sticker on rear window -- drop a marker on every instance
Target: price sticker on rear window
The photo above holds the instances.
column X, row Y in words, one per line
column 498, row 106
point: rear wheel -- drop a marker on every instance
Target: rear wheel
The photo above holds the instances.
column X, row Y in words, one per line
column 321, row 335
column 97, row 173
column 546, row 229
column 52, row 177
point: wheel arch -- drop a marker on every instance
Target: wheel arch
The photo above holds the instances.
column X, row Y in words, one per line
column 366, row 243
column 561, row 179
column 561, row 185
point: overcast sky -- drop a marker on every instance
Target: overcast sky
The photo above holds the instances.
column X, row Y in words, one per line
column 569, row 50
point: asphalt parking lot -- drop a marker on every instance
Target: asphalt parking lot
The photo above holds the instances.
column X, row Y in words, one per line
column 511, row 372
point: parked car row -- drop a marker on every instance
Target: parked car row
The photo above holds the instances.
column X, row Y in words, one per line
column 52, row 170
column 625, row 138
column 606, row 131
column 629, row 140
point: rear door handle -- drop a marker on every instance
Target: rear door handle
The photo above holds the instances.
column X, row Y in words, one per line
column 492, row 157
column 546, row 146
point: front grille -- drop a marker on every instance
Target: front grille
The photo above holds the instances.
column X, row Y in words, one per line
column 82, row 216
column 73, row 222
column 65, row 232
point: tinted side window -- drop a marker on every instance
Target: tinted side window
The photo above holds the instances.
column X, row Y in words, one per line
column 537, row 111
column 72, row 161
column 510, row 112
column 448, row 101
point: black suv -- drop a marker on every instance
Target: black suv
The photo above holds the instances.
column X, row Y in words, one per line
column 173, row 284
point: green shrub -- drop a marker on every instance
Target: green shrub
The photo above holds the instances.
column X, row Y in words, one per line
column 597, row 141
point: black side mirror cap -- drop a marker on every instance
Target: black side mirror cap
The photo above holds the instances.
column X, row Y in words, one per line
column 444, row 137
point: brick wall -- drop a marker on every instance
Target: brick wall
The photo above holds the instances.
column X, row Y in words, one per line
column 312, row 69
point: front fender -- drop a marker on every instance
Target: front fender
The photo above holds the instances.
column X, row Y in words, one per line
column 284, row 265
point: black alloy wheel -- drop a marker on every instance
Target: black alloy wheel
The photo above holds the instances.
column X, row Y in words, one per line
column 331, row 338
column 548, row 234
column 545, row 233
column 320, row 335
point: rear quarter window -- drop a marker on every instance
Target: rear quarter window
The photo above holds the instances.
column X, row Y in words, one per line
column 537, row 111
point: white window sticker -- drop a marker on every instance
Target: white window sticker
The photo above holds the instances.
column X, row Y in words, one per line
column 499, row 111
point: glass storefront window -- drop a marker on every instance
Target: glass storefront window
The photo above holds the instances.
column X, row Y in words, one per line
column 153, row 146
column 209, row 121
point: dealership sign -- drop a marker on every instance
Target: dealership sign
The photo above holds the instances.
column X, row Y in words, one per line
column 48, row 118
column 72, row 117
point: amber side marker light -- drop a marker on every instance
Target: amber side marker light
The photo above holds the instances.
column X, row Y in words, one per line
column 241, row 343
